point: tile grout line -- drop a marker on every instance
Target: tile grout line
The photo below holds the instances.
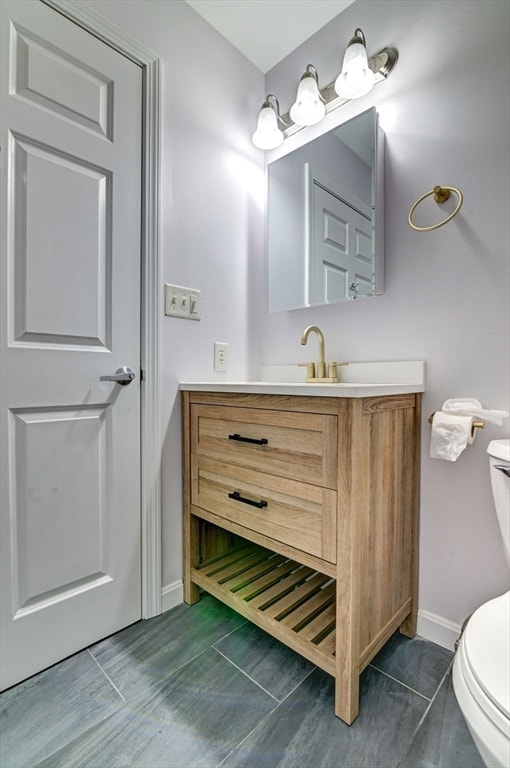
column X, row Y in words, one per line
column 396, row 680
column 298, row 684
column 238, row 746
column 173, row 672
column 269, row 714
column 232, row 631
column 68, row 740
column 196, row 656
column 245, row 674
column 425, row 714
column 107, row 677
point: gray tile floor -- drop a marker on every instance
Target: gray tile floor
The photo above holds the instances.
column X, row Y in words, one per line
column 198, row 686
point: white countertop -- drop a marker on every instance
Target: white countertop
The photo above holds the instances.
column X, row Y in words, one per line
column 357, row 380
column 317, row 390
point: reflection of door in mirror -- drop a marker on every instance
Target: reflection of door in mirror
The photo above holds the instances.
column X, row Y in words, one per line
column 340, row 255
column 327, row 194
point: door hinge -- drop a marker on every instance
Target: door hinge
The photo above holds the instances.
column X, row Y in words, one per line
column 142, row 374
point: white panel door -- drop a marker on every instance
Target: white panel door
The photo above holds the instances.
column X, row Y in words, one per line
column 70, row 313
column 341, row 264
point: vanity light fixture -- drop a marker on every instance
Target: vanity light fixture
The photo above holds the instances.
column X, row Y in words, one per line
column 309, row 107
column 357, row 77
column 268, row 135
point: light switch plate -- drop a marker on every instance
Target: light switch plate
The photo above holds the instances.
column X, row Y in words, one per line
column 195, row 306
column 182, row 302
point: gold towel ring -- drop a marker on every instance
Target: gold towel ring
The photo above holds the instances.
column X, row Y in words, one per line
column 441, row 195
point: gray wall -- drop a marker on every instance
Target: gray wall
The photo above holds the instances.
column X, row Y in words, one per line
column 212, row 214
column 445, row 112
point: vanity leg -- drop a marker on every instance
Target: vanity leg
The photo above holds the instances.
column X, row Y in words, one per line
column 347, row 642
column 191, row 533
column 191, row 558
column 347, row 697
column 347, row 573
column 408, row 626
column 347, row 656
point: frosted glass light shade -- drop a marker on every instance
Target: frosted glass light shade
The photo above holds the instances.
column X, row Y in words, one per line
column 356, row 78
column 267, row 135
column 308, row 108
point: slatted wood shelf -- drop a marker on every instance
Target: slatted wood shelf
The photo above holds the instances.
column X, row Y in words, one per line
column 291, row 601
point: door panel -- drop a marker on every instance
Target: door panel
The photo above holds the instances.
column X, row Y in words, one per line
column 52, row 78
column 49, row 260
column 69, row 499
column 70, row 313
column 341, row 243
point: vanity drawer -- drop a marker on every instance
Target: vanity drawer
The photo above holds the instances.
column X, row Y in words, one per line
column 298, row 514
column 284, row 443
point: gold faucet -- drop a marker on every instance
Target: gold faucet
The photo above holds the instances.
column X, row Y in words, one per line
column 317, row 373
column 321, row 366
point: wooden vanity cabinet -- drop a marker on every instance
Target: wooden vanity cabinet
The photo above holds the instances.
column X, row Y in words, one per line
column 301, row 513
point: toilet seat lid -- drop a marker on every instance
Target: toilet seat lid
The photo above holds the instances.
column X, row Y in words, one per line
column 487, row 645
column 499, row 449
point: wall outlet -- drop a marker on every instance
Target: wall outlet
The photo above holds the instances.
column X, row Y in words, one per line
column 220, row 356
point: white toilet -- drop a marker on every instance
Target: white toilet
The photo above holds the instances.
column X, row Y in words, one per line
column 481, row 668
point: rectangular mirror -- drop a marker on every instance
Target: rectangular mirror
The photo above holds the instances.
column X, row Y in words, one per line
column 326, row 217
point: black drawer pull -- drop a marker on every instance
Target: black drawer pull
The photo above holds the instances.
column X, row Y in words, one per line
column 235, row 436
column 237, row 497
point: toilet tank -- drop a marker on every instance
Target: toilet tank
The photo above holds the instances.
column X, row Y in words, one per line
column 499, row 462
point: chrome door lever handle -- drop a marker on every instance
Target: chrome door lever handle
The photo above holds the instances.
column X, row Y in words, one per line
column 123, row 376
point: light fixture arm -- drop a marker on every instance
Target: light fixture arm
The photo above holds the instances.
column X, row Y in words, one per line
column 286, row 122
column 311, row 70
column 358, row 33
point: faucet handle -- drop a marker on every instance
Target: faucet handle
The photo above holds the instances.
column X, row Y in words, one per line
column 310, row 370
column 333, row 369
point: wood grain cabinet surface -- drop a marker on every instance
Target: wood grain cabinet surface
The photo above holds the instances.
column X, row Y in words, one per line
column 301, row 513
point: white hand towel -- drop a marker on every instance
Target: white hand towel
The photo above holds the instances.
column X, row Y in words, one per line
column 450, row 435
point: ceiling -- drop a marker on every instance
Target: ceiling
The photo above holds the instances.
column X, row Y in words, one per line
column 265, row 31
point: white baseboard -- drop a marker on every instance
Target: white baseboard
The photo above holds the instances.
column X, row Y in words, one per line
column 438, row 629
column 171, row 595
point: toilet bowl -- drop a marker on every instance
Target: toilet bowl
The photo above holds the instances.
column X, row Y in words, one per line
column 481, row 668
